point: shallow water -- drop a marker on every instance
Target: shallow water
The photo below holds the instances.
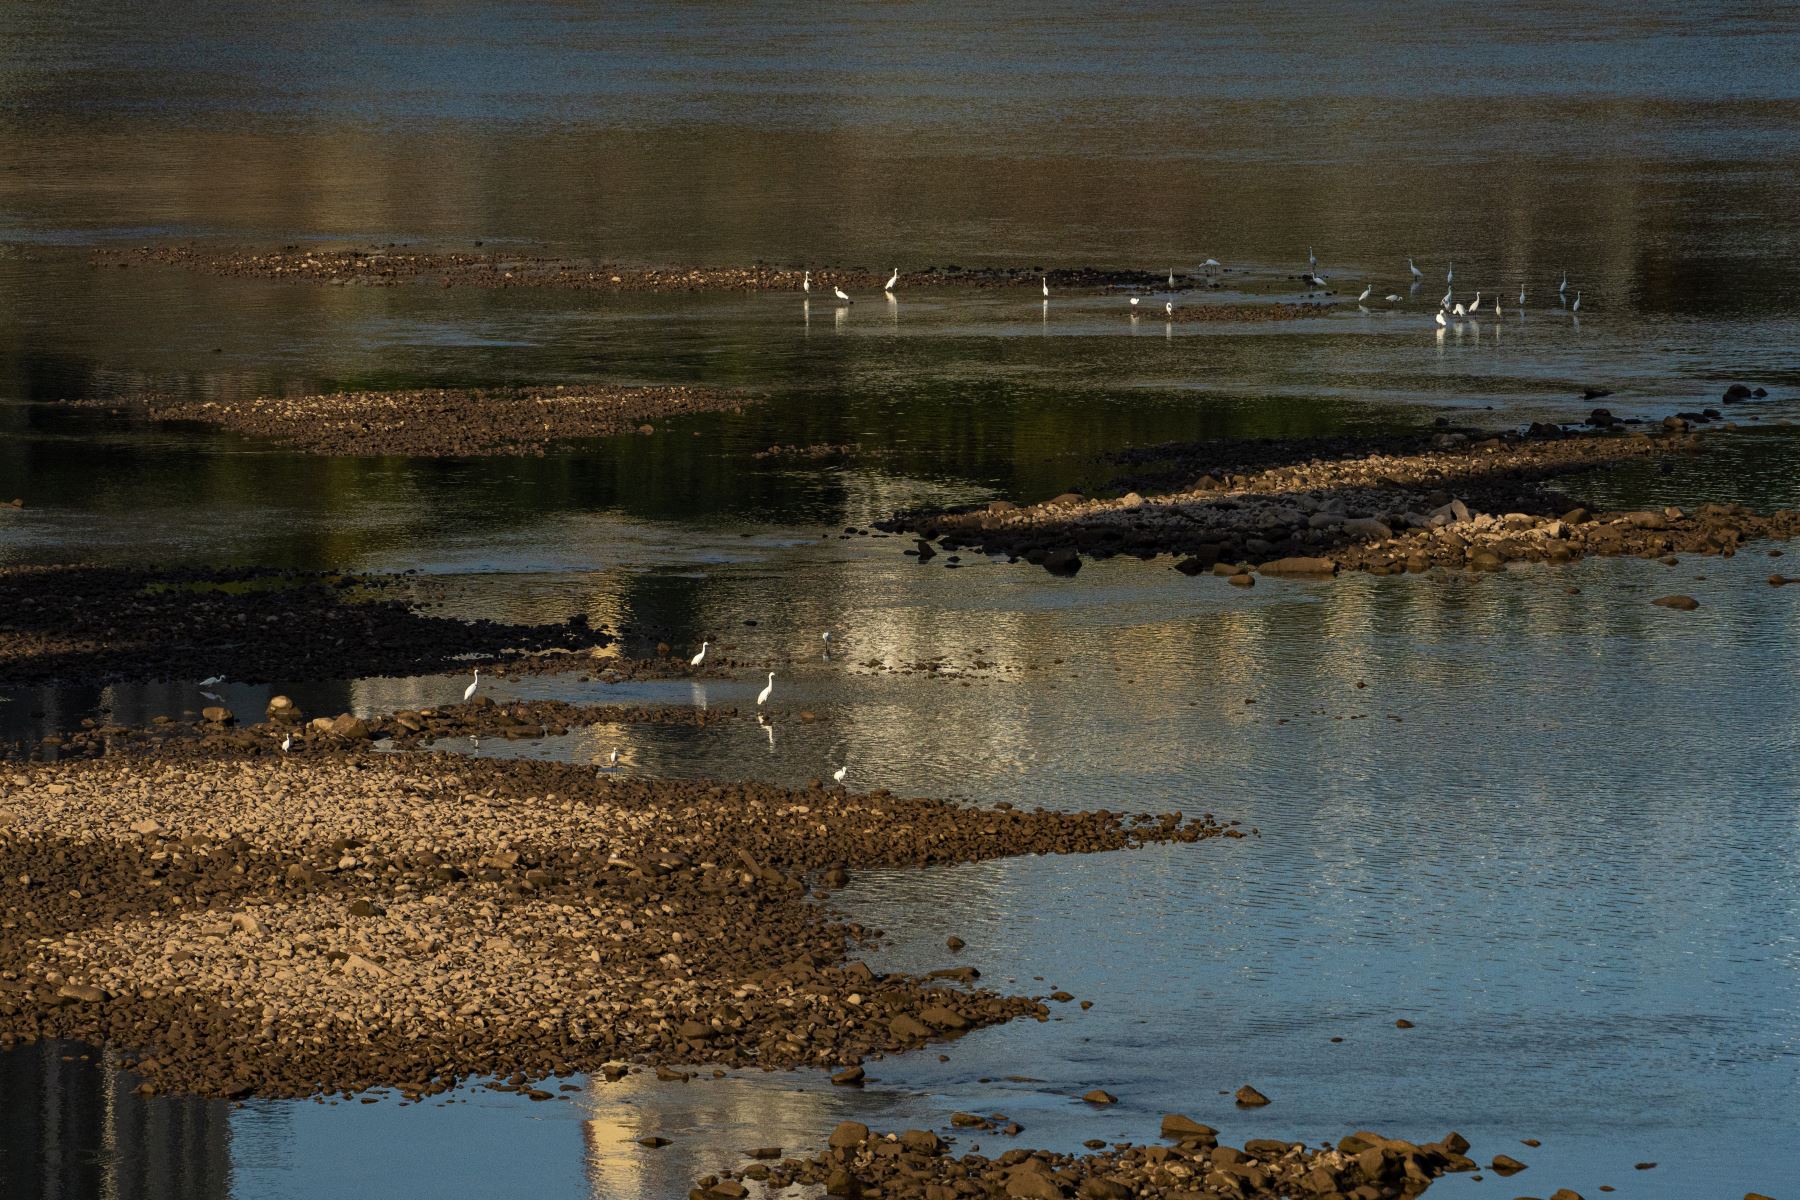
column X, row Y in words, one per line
column 1553, row 830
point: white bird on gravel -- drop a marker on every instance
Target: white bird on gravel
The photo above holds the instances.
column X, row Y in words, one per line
column 806, row 282
column 612, row 760
column 768, row 688
column 839, row 774
column 287, row 743
column 700, row 657
column 841, row 294
column 892, row 280
column 1365, row 293
column 1413, row 267
column 469, row 692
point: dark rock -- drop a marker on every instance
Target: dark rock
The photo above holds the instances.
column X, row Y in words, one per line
column 1683, row 603
column 1249, row 1097
column 1064, row 562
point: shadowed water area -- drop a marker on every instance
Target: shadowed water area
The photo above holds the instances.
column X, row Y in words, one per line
column 1555, row 831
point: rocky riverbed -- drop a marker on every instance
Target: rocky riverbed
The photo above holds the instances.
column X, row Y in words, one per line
column 393, row 265
column 1193, row 1165
column 76, row 624
column 440, row 422
column 346, row 919
column 1461, row 500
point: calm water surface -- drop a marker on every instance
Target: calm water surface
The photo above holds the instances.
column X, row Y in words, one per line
column 1556, row 831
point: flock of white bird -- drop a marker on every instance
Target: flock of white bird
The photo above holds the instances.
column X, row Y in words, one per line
column 612, row 759
column 1449, row 308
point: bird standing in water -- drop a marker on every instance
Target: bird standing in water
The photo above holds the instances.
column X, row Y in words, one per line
column 700, row 657
column 839, row 774
column 474, row 683
column 768, row 689
column 841, row 294
column 892, row 280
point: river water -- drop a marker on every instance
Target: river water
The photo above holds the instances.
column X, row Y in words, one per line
column 1555, row 831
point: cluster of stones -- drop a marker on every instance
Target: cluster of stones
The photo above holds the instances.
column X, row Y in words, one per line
column 441, row 423
column 917, row 1164
column 1381, row 512
column 352, row 919
column 96, row 624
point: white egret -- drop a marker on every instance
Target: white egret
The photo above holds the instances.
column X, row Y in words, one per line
column 1392, row 297
column 1450, row 275
column 1576, row 307
column 1310, row 260
column 892, row 280
column 1521, row 295
column 1564, row 285
column 806, row 282
column 287, row 743
column 612, row 760
column 1365, row 293
column 700, row 657
column 1171, row 276
column 841, row 294
column 1458, row 311
column 826, row 637
column 1445, row 302
column 1313, row 279
column 1414, row 268
column 1211, row 264
column 841, row 772
column 1496, row 306
column 768, row 688
column 1476, row 302
column 1168, row 308
column 212, row 679
column 1134, row 302
column 1045, row 280
column 474, row 683
column 1439, row 314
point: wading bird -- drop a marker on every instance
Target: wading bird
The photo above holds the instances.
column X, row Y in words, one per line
column 839, row 774
column 1496, row 306
column 1458, row 311
column 1576, row 307
column 1521, row 295
column 474, row 683
column 806, row 282
column 1134, row 302
column 1313, row 279
column 1564, row 285
column 212, row 679
column 841, row 294
column 1450, row 275
column 287, row 743
column 1445, row 302
column 1392, row 297
column 1365, row 293
column 1476, row 302
column 700, row 657
column 1168, row 308
column 612, row 760
column 1171, row 276
column 1045, row 280
column 1211, row 264
column 1310, row 260
column 826, row 637
column 767, row 689
column 1440, row 318
column 892, row 280
column 1414, row 268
